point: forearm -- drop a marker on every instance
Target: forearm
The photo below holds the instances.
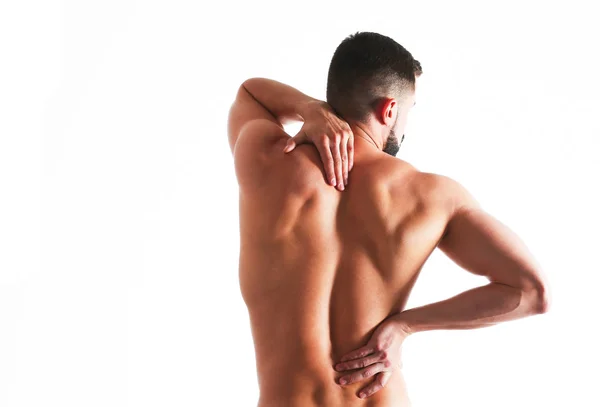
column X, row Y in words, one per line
column 283, row 101
column 478, row 307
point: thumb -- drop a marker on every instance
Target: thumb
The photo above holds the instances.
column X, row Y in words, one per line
column 294, row 141
column 291, row 144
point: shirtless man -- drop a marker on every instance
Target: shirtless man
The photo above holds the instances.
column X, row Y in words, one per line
column 326, row 271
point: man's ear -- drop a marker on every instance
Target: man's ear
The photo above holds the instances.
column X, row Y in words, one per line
column 388, row 110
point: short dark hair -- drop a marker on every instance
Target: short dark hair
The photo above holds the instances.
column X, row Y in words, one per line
column 366, row 67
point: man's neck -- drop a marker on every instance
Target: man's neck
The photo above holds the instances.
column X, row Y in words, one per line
column 363, row 137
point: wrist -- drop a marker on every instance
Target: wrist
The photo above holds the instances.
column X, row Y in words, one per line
column 310, row 106
column 402, row 326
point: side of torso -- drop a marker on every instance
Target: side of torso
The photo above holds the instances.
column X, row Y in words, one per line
column 320, row 268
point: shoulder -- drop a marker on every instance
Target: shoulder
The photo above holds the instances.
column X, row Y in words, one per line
column 256, row 143
column 258, row 136
column 260, row 163
column 445, row 193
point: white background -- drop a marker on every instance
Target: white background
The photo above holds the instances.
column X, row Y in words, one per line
column 119, row 223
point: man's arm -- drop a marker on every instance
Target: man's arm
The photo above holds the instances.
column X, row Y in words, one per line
column 246, row 110
column 284, row 102
column 479, row 243
column 266, row 99
column 263, row 105
column 482, row 245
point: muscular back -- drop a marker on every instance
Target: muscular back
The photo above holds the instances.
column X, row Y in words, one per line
column 320, row 268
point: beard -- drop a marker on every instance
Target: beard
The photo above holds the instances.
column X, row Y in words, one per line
column 392, row 144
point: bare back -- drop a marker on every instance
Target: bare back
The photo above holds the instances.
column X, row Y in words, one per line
column 309, row 252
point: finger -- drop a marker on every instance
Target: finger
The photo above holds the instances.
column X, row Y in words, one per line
column 350, row 152
column 294, row 141
column 362, row 362
column 359, row 353
column 344, row 152
column 362, row 374
column 337, row 162
column 379, row 383
column 326, row 157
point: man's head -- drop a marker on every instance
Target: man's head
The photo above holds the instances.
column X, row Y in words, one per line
column 371, row 82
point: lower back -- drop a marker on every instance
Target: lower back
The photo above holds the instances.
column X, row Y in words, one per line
column 303, row 330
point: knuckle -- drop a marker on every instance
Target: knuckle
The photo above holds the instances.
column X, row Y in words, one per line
column 366, row 373
column 383, row 354
column 387, row 363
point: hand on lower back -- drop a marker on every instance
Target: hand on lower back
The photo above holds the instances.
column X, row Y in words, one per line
column 379, row 357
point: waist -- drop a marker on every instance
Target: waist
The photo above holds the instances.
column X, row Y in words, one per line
column 318, row 387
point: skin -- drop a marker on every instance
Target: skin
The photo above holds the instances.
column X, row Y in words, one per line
column 325, row 272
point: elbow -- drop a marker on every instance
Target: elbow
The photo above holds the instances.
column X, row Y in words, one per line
column 536, row 295
column 249, row 83
column 545, row 301
column 541, row 299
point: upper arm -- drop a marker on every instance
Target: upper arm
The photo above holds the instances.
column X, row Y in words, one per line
column 252, row 131
column 481, row 244
column 246, row 110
